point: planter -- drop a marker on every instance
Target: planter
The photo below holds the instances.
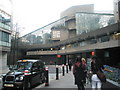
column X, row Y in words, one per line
column 112, row 76
column 113, row 82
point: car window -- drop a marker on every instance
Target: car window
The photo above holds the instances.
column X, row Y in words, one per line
column 41, row 65
column 35, row 67
column 24, row 65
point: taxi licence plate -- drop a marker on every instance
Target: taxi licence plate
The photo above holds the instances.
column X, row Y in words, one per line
column 8, row 85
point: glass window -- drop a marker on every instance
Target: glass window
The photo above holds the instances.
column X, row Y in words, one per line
column 5, row 20
column 5, row 37
column 106, row 54
column 104, row 38
column 0, row 35
column 24, row 65
column 75, row 45
column 86, row 22
column 35, row 67
column 44, row 35
column 92, row 41
column 83, row 43
column 56, row 34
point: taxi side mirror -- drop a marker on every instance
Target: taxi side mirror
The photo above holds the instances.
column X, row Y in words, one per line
column 10, row 68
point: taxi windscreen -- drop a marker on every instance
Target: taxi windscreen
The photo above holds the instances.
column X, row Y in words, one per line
column 24, row 65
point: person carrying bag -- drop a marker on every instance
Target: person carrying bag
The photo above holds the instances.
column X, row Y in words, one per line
column 101, row 76
column 98, row 76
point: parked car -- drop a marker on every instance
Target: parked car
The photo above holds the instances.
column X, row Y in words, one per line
column 26, row 74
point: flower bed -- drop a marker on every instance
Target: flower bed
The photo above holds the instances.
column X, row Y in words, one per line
column 115, row 75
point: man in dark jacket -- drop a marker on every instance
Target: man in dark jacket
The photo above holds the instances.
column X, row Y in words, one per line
column 79, row 74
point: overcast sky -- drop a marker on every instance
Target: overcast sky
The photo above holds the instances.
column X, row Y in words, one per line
column 34, row 14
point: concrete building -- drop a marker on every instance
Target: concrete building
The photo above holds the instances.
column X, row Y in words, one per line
column 79, row 32
column 70, row 17
column 117, row 10
column 60, row 30
column 5, row 38
column 68, row 29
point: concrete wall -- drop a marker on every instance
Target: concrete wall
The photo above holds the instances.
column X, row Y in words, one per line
column 117, row 10
column 3, row 62
column 71, row 24
column 72, row 33
column 79, row 8
column 63, row 34
column 98, row 45
column 70, row 21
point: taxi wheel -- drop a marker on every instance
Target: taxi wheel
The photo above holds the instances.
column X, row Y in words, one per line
column 4, row 89
column 43, row 78
column 23, row 88
column 28, row 86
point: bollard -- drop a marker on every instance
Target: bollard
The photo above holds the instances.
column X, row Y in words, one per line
column 63, row 69
column 26, row 82
column 57, row 73
column 67, row 68
column 47, row 77
column 1, row 83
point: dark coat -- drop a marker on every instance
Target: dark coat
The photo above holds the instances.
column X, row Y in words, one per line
column 78, row 72
column 98, row 66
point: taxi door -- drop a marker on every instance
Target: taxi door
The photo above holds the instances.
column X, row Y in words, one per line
column 35, row 75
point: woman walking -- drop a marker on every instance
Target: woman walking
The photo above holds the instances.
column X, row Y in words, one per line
column 96, row 66
column 79, row 75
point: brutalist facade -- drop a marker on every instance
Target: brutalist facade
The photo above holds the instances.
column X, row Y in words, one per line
column 5, row 39
column 81, row 33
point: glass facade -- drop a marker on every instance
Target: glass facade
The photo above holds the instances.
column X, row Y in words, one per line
column 5, row 20
column 43, row 35
column 5, row 39
column 86, row 22
column 5, row 25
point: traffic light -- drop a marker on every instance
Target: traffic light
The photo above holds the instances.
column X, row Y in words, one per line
column 93, row 53
column 58, row 56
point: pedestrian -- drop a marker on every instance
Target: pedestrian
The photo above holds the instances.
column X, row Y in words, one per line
column 89, row 73
column 55, row 63
column 51, row 62
column 78, row 73
column 83, row 63
column 96, row 65
column 84, row 66
column 70, row 64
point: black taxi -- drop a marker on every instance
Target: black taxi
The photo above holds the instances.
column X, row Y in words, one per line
column 26, row 74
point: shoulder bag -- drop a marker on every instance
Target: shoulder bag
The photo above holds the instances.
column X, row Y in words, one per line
column 101, row 76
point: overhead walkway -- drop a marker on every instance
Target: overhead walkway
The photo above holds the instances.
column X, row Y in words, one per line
column 78, row 38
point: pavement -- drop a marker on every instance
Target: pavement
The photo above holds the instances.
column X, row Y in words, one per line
column 67, row 82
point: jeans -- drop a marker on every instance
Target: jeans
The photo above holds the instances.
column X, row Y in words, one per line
column 96, row 83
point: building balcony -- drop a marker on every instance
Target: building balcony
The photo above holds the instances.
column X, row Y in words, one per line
column 109, row 44
column 4, row 26
column 70, row 18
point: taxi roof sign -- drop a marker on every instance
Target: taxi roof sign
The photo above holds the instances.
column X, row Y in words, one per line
column 28, row 60
column 23, row 60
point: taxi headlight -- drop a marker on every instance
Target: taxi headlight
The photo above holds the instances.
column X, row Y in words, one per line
column 19, row 78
